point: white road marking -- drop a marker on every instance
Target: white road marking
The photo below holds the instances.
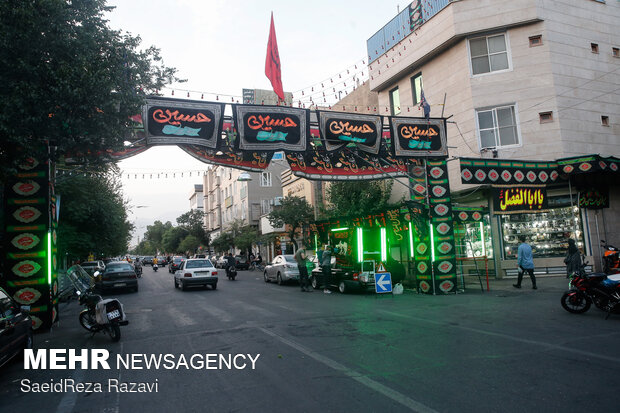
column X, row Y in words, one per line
column 360, row 378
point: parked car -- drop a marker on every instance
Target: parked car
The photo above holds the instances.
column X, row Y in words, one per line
column 91, row 266
column 195, row 271
column 242, row 262
column 175, row 264
column 221, row 262
column 346, row 277
column 147, row 260
column 117, row 275
column 15, row 328
column 282, row 269
column 199, row 256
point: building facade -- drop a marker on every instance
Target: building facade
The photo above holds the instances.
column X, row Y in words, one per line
column 525, row 80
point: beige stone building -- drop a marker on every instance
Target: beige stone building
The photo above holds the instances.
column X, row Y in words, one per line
column 526, row 80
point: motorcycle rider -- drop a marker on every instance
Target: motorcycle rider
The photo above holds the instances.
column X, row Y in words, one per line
column 230, row 262
column 155, row 267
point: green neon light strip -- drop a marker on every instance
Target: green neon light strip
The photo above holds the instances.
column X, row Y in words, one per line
column 316, row 244
column 411, row 249
column 432, row 244
column 339, row 229
column 360, row 246
column 49, row 258
column 484, row 247
column 383, row 245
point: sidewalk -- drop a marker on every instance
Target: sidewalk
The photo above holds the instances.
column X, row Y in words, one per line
column 555, row 283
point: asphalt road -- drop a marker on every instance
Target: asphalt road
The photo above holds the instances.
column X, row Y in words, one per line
column 503, row 351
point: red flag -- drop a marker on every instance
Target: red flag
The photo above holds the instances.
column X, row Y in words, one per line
column 273, row 71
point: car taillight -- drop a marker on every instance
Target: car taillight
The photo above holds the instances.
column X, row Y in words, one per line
column 214, row 273
column 187, row 274
column 355, row 276
column 133, row 275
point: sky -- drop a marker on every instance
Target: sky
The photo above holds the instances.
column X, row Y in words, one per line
column 219, row 47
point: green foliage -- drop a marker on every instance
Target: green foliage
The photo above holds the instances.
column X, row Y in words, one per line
column 246, row 237
column 293, row 212
column 171, row 240
column 189, row 244
column 355, row 199
column 69, row 78
column 193, row 222
column 146, row 248
column 155, row 234
column 223, row 242
column 93, row 220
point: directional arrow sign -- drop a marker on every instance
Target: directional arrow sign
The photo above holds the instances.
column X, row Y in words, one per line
column 383, row 282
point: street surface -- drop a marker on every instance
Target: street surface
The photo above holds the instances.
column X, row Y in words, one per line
column 506, row 350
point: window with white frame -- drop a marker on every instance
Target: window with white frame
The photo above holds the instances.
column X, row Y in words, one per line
column 488, row 54
column 497, row 127
column 265, row 206
column 265, row 179
column 416, row 88
column 395, row 101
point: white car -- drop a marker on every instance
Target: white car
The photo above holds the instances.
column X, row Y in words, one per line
column 195, row 271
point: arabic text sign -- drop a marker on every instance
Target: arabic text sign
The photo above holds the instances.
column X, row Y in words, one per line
column 418, row 137
column 268, row 128
column 340, row 129
column 173, row 122
column 513, row 200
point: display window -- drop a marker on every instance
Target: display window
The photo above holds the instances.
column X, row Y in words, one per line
column 547, row 232
column 473, row 239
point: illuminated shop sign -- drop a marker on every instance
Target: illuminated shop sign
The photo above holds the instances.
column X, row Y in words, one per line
column 513, row 200
column 594, row 199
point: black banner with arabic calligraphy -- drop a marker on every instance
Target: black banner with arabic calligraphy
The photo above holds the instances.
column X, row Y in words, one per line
column 519, row 200
column 417, row 137
column 271, row 128
column 175, row 121
column 340, row 130
column 246, row 160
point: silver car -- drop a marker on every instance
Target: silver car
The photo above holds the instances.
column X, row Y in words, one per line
column 282, row 269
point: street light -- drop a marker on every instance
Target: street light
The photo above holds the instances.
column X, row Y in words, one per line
column 244, row 177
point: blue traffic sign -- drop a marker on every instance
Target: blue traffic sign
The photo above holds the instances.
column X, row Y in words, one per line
column 383, row 282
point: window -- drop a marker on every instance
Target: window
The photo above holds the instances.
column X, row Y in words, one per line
column 265, row 207
column 488, row 54
column 265, row 179
column 416, row 88
column 594, row 47
column 395, row 102
column 497, row 127
column 546, row 117
column 605, row 120
column 536, row 40
column 615, row 51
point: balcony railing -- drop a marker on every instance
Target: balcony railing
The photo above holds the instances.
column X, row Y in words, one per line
column 401, row 26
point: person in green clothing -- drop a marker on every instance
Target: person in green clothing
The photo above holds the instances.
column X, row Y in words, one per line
column 525, row 262
column 302, row 265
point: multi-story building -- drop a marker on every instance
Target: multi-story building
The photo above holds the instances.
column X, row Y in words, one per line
column 522, row 80
column 212, row 201
column 196, row 198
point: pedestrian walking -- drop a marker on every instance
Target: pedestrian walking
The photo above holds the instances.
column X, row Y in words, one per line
column 573, row 258
column 525, row 262
column 326, row 267
column 302, row 265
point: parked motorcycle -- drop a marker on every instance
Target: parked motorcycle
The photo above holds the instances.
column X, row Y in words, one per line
column 155, row 267
column 597, row 288
column 611, row 258
column 99, row 315
column 231, row 272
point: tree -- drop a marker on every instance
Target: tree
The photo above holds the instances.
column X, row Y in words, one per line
column 246, row 237
column 193, row 222
column 223, row 242
column 69, row 79
column 351, row 198
column 93, row 221
column 189, row 244
column 172, row 239
column 293, row 212
column 155, row 233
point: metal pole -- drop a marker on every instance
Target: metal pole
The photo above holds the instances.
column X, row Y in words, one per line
column 598, row 234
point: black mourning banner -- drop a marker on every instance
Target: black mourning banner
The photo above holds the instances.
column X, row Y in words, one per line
column 417, row 137
column 271, row 128
column 172, row 122
column 351, row 130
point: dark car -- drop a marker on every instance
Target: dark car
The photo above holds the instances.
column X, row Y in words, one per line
column 15, row 328
column 162, row 261
column 147, row 260
column 242, row 262
column 117, row 275
column 346, row 276
column 175, row 264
